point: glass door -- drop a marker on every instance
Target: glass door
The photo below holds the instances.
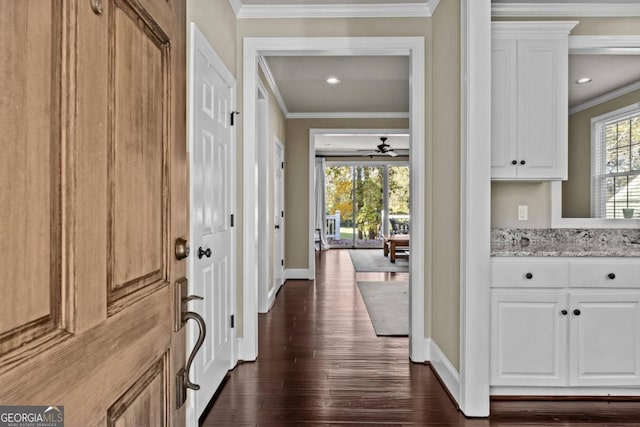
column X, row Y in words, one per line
column 399, row 200
column 369, row 205
column 339, row 206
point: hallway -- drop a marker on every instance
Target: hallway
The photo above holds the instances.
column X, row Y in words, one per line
column 320, row 363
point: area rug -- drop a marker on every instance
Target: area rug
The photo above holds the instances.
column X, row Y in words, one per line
column 388, row 306
column 373, row 260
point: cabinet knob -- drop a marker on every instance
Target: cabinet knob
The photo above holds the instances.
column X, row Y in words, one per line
column 529, row 276
column 564, row 312
column 576, row 312
column 522, row 162
column 514, row 162
column 611, row 276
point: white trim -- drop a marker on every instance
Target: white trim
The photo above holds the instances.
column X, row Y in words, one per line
column 444, row 368
column 475, row 207
column 354, row 115
column 564, row 391
column 262, row 109
column 382, row 10
column 531, row 29
column 198, row 42
column 557, row 221
column 604, row 45
column 606, row 97
column 341, row 46
column 551, row 9
column 236, row 5
column 299, row 274
column 272, row 84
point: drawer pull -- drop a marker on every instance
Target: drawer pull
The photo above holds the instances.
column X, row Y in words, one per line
column 529, row 276
column 564, row 312
column 611, row 276
column 576, row 312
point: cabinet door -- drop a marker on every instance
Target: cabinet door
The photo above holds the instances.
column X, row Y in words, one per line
column 605, row 339
column 528, row 338
column 503, row 108
column 542, row 109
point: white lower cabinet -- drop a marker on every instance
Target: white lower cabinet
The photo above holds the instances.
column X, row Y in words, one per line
column 604, row 335
column 529, row 338
column 561, row 334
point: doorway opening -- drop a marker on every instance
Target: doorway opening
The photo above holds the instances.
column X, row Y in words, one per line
column 254, row 48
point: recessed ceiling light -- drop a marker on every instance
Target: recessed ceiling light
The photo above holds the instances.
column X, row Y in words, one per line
column 333, row 80
column 583, row 80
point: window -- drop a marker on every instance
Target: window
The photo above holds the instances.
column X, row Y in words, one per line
column 615, row 181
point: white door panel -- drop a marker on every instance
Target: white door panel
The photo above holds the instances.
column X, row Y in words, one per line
column 279, row 272
column 212, row 160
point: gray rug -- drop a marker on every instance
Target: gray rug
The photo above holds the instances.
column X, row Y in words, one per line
column 373, row 260
column 388, row 306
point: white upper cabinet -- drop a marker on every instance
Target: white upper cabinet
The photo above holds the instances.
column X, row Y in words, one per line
column 529, row 104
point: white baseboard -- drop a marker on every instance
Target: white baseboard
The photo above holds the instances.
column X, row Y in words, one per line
column 299, row 274
column 565, row 391
column 444, row 368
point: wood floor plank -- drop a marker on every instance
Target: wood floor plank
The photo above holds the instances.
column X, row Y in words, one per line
column 321, row 364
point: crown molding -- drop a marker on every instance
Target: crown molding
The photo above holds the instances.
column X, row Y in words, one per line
column 606, row 97
column 262, row 63
column 384, row 10
column 536, row 29
column 554, row 9
column 346, row 115
column 236, row 5
column 604, row 45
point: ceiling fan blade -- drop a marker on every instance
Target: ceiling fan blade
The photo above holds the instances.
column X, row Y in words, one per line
column 392, row 153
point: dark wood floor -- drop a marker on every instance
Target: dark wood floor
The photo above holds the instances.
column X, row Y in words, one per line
column 320, row 363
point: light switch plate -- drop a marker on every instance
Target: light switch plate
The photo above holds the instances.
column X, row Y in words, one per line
column 523, row 212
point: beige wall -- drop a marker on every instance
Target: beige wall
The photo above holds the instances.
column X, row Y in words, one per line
column 445, row 183
column 216, row 20
column 297, row 178
column 507, row 196
column 503, row 196
column 576, row 191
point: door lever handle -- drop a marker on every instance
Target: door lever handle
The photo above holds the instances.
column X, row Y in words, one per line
column 277, row 226
column 182, row 377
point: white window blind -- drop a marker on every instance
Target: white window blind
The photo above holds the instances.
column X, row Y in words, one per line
column 616, row 163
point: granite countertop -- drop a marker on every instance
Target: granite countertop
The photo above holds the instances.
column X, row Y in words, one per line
column 565, row 242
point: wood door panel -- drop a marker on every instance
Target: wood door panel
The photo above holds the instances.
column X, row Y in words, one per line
column 29, row 171
column 107, row 368
column 93, row 179
column 145, row 403
column 138, row 160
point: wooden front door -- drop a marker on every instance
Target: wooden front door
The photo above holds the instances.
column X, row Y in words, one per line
column 93, row 190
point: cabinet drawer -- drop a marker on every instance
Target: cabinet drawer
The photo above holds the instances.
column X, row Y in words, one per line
column 529, row 273
column 604, row 274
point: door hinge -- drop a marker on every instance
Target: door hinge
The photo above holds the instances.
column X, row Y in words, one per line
column 282, row 165
column 232, row 220
column 282, row 262
column 282, row 214
column 233, row 113
column 233, row 321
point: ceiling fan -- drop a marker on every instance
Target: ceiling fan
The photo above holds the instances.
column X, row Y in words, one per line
column 382, row 149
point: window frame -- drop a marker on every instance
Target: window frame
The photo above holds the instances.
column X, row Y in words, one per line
column 599, row 158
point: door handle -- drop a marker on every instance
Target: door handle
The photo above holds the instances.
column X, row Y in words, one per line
column 181, row 248
column 204, row 252
column 182, row 377
column 277, row 226
column 182, row 316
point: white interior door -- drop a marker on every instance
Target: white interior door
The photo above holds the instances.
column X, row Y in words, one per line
column 278, row 203
column 212, row 261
